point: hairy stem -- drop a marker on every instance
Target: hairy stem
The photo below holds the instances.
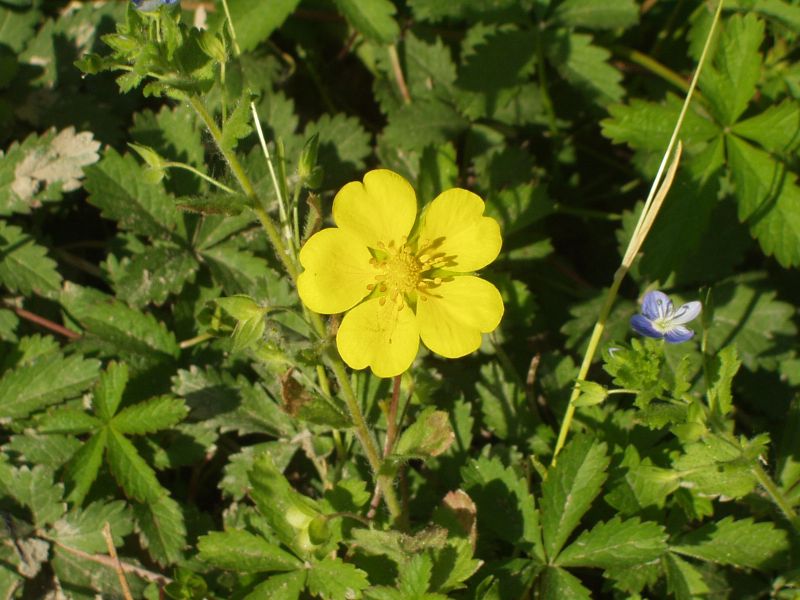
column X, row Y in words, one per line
column 776, row 496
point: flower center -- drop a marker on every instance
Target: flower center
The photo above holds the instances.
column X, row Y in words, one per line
column 399, row 273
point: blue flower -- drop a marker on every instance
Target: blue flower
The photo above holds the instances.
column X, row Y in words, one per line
column 148, row 5
column 660, row 320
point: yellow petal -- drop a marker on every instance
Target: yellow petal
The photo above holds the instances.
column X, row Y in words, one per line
column 379, row 336
column 454, row 314
column 380, row 210
column 337, row 271
column 454, row 225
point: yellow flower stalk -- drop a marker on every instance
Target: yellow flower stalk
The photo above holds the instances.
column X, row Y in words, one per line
column 401, row 279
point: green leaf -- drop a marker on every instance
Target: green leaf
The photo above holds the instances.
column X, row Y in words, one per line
column 430, row 68
column 161, row 529
column 238, row 125
column 683, row 579
column 423, row 123
column 344, row 146
column 585, row 65
column 334, row 579
column 43, row 167
column 35, row 489
column 253, row 24
column 45, row 381
column 503, row 58
column 286, row 586
column 17, row 26
column 173, row 132
column 730, row 80
column 118, row 329
column 788, row 464
column 569, row 490
column 374, row 20
column 506, row 508
column 309, row 406
column 598, row 15
column 81, row 470
column 648, row 126
column 777, row 129
column 153, row 275
column 82, row 529
column 558, row 584
column 743, row 543
column 236, row 270
column 243, row 552
column 68, row 420
column 716, row 467
column 49, row 450
column 24, row 264
column 768, row 196
column 215, row 203
column 752, row 319
column 109, row 390
column 615, row 544
column 429, row 435
column 643, row 484
column 722, row 372
column 118, row 187
column 150, row 416
column 130, row 470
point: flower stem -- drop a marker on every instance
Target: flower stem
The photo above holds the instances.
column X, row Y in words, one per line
column 776, row 496
column 246, row 185
column 397, row 69
column 658, row 191
column 363, row 434
column 655, row 67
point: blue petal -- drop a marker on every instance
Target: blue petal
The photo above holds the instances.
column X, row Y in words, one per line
column 656, row 305
column 687, row 312
column 678, row 334
column 643, row 326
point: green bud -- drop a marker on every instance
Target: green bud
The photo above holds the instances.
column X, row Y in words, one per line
column 213, row 46
column 308, row 158
column 241, row 307
column 318, row 530
column 124, row 44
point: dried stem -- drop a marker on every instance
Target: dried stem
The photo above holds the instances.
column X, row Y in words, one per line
column 109, row 562
column 46, row 323
column 112, row 551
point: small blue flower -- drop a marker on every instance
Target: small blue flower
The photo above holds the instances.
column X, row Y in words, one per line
column 149, row 5
column 660, row 320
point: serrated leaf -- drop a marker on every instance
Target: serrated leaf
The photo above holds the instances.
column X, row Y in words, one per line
column 334, row 579
column 683, row 579
column 153, row 275
column 119, row 329
column 243, row 552
column 423, row 123
column 236, row 270
column 109, row 390
column 648, row 126
column 215, row 203
column 173, row 132
column 43, row 167
column 344, row 146
column 68, row 420
column 730, row 80
column 374, row 19
column 45, row 381
column 309, row 406
column 81, row 470
column 597, row 15
column 24, row 264
column 430, row 67
column 723, row 369
column 38, row 448
column 35, row 489
column 238, row 124
column 253, row 24
column 236, row 482
column 82, row 529
column 777, row 129
column 286, row 586
column 119, row 189
column 506, row 508
column 585, row 65
column 767, row 196
column 715, row 467
column 752, row 319
column 503, row 58
column 131, row 471
column 558, row 584
column 615, row 544
column 161, row 529
column 570, row 488
column 150, row 416
column 741, row 543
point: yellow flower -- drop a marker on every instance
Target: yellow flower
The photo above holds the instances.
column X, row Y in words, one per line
column 400, row 279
